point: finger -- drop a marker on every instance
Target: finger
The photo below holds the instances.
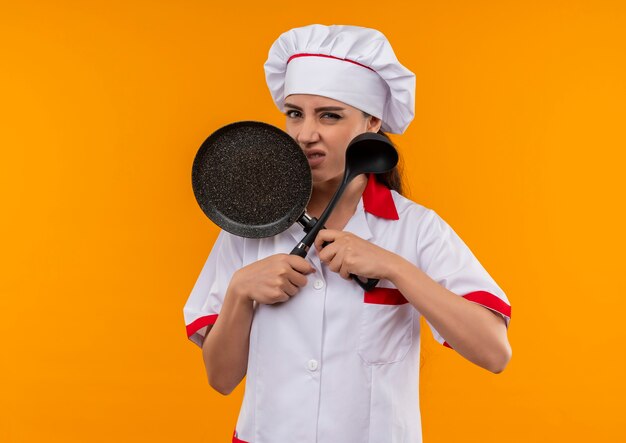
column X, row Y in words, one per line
column 289, row 288
column 272, row 296
column 336, row 262
column 297, row 279
column 325, row 235
column 344, row 272
column 280, row 297
column 328, row 253
column 299, row 264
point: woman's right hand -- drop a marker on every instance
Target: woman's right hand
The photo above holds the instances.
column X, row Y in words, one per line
column 273, row 279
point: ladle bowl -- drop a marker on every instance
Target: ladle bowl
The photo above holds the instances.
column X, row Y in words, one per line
column 369, row 153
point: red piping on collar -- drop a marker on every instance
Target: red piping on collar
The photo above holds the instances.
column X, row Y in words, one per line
column 328, row 56
column 378, row 201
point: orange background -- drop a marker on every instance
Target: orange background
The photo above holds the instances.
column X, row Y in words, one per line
column 517, row 142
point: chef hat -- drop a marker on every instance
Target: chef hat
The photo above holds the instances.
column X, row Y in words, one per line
column 351, row 64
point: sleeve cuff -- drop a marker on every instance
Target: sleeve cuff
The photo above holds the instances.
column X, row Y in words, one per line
column 489, row 301
column 196, row 330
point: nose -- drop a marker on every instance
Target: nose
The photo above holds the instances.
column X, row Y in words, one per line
column 308, row 132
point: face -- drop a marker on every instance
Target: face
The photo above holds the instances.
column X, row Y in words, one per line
column 323, row 127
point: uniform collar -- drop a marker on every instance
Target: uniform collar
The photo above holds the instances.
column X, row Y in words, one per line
column 378, row 201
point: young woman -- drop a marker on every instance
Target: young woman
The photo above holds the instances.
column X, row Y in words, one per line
column 325, row 361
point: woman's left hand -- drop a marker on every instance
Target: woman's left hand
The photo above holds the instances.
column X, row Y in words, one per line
column 349, row 254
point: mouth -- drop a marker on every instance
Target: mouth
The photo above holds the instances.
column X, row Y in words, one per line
column 315, row 158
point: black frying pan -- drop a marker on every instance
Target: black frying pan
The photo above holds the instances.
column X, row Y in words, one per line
column 253, row 180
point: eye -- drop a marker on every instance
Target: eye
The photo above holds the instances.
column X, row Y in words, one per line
column 292, row 113
column 331, row 116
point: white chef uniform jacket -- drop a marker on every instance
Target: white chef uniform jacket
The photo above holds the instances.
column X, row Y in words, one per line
column 335, row 364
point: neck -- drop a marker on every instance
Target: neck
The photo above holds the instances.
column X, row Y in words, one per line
column 345, row 207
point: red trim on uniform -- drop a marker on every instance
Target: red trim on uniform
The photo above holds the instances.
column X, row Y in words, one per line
column 490, row 301
column 384, row 296
column 328, row 56
column 445, row 343
column 200, row 323
column 377, row 199
column 236, row 440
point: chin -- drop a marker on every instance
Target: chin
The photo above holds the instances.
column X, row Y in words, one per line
column 321, row 179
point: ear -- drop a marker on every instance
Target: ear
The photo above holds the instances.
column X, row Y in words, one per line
column 373, row 124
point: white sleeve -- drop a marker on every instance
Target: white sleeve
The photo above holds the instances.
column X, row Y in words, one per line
column 207, row 296
column 447, row 260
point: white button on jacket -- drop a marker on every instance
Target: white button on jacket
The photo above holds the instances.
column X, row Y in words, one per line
column 312, row 365
column 341, row 365
column 318, row 284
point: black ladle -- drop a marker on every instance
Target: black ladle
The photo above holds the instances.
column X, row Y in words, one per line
column 368, row 153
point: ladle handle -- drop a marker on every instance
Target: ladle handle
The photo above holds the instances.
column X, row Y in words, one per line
column 366, row 285
column 300, row 250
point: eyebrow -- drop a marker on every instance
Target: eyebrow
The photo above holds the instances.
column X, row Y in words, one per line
column 320, row 109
